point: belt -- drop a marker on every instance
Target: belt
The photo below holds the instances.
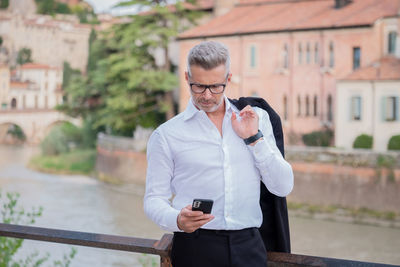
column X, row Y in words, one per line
column 200, row 231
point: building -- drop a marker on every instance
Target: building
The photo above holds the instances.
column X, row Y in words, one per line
column 52, row 41
column 33, row 86
column 292, row 53
column 368, row 103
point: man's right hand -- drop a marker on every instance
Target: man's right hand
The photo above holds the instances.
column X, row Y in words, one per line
column 189, row 220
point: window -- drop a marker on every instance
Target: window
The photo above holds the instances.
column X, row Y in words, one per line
column 331, row 55
column 390, row 107
column 13, row 103
column 285, row 108
column 330, row 110
column 356, row 108
column 316, row 54
column 285, row 56
column 24, row 101
column 308, row 54
column 392, row 42
column 315, row 106
column 300, row 54
column 253, row 56
column 307, row 106
column 298, row 106
column 356, row 57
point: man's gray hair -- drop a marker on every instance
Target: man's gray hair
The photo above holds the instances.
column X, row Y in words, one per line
column 209, row 55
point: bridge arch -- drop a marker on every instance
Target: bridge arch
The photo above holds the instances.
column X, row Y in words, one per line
column 12, row 133
column 35, row 123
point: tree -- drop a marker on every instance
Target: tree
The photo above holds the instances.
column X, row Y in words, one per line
column 4, row 4
column 124, row 86
column 160, row 27
column 85, row 13
column 24, row 56
column 51, row 7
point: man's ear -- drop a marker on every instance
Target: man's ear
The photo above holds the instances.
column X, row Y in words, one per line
column 229, row 77
column 186, row 76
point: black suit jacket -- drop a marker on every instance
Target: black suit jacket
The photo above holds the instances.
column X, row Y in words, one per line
column 275, row 227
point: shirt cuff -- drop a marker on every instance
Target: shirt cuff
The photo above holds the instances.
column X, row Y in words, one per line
column 171, row 221
column 261, row 150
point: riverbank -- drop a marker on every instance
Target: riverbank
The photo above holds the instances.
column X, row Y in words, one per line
column 340, row 214
column 75, row 162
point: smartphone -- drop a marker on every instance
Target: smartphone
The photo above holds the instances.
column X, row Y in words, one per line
column 204, row 205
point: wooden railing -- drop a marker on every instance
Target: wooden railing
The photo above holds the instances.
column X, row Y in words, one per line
column 160, row 247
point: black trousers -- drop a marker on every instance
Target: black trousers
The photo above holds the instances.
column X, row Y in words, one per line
column 219, row 248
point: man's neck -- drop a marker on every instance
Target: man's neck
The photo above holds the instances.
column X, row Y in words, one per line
column 219, row 113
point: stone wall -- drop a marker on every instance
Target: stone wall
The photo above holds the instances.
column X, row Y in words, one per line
column 120, row 159
column 352, row 179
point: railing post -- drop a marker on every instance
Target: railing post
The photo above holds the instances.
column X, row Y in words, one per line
column 165, row 261
column 165, row 245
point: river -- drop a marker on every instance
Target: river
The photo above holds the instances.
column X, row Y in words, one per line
column 82, row 203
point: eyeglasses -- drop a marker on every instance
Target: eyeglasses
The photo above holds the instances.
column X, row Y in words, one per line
column 217, row 88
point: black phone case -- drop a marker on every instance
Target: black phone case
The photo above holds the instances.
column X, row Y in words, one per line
column 204, row 205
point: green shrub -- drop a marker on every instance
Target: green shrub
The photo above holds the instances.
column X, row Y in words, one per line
column 318, row 138
column 363, row 141
column 61, row 138
column 394, row 143
column 16, row 132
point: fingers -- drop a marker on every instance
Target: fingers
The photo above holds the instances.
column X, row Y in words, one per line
column 188, row 212
column 189, row 220
column 247, row 111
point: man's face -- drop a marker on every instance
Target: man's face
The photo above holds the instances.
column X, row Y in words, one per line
column 206, row 100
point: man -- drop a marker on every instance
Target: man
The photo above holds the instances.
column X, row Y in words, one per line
column 213, row 151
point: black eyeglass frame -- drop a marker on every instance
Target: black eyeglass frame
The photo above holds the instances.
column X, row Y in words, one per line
column 208, row 86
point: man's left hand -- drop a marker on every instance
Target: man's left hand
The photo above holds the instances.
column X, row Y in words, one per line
column 248, row 125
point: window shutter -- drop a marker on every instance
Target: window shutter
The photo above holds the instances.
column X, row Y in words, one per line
column 350, row 108
column 397, row 110
column 383, row 108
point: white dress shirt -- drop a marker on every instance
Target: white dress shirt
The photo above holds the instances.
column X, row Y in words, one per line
column 188, row 158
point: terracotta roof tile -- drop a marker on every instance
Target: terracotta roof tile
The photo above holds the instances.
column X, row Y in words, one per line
column 19, row 85
column 284, row 15
column 31, row 66
column 387, row 68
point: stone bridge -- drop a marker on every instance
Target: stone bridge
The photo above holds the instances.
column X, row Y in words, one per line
column 35, row 123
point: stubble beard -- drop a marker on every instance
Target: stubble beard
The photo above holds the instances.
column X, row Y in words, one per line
column 209, row 109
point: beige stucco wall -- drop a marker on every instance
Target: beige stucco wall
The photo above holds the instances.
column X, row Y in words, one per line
column 371, row 123
column 43, row 91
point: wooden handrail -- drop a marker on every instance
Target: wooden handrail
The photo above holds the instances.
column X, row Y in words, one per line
column 160, row 247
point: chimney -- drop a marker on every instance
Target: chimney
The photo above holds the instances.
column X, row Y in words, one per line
column 341, row 3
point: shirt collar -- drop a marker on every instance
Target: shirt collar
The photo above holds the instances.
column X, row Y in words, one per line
column 191, row 109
